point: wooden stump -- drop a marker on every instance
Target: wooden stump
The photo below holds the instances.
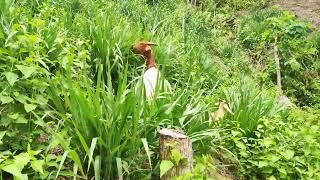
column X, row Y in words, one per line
column 171, row 139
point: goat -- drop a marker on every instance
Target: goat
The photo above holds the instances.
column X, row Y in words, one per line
column 151, row 74
column 220, row 113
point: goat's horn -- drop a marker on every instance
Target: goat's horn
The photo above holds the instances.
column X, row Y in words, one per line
column 150, row 43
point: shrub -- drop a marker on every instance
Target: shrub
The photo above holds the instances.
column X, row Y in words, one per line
column 298, row 52
column 284, row 147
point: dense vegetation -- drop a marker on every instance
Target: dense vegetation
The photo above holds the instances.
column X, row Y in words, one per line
column 72, row 97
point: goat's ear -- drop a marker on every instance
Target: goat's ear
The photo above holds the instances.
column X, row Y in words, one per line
column 147, row 48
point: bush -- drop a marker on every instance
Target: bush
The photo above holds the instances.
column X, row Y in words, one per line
column 283, row 147
column 298, row 51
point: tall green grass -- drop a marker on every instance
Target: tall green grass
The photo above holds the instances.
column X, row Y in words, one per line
column 110, row 113
column 120, row 125
column 249, row 103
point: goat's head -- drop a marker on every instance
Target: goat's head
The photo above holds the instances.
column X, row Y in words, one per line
column 142, row 47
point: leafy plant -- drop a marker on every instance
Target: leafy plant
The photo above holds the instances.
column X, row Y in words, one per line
column 298, row 58
column 108, row 117
column 281, row 143
column 248, row 104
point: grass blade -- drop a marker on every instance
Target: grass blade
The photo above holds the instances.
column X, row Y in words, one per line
column 65, row 154
column 146, row 148
column 92, row 147
column 97, row 167
column 119, row 166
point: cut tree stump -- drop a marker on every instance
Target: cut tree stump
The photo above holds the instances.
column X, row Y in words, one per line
column 172, row 139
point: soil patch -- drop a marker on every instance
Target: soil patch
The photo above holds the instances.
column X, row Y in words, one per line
column 305, row 9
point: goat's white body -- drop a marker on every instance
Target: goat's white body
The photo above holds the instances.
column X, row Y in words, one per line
column 150, row 81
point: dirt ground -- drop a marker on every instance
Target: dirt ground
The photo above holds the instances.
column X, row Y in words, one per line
column 305, row 9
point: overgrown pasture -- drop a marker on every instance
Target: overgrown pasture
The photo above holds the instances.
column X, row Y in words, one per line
column 73, row 106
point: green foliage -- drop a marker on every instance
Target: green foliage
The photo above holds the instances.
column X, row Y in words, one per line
column 233, row 5
column 110, row 116
column 298, row 52
column 205, row 168
column 165, row 166
column 71, row 89
column 30, row 50
column 284, row 147
column 248, row 104
column 23, row 77
column 29, row 162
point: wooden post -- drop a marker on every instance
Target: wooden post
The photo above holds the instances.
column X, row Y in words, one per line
column 170, row 139
column 277, row 61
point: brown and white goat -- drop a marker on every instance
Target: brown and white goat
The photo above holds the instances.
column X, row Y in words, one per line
column 151, row 74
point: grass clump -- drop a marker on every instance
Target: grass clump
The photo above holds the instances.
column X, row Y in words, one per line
column 249, row 104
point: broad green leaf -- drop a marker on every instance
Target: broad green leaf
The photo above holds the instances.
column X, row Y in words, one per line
column 21, row 98
column 26, row 70
column 16, row 166
column 29, row 107
column 11, row 77
column 294, row 64
column 176, row 156
column 14, row 115
column 268, row 142
column 244, row 153
column 274, row 158
column 5, row 99
column 4, row 51
column 165, row 166
column 22, row 159
column 240, row 145
column 33, row 153
column 15, row 170
column 235, row 133
column 37, row 165
column 18, row 118
column 282, row 171
column 40, row 122
column 21, row 120
column 262, row 164
column 59, row 138
column 2, row 133
column 288, row 154
column 272, row 178
column 40, row 99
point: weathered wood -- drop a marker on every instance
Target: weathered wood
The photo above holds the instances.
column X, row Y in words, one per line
column 278, row 68
column 173, row 139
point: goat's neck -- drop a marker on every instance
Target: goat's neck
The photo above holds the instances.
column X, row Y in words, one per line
column 150, row 60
